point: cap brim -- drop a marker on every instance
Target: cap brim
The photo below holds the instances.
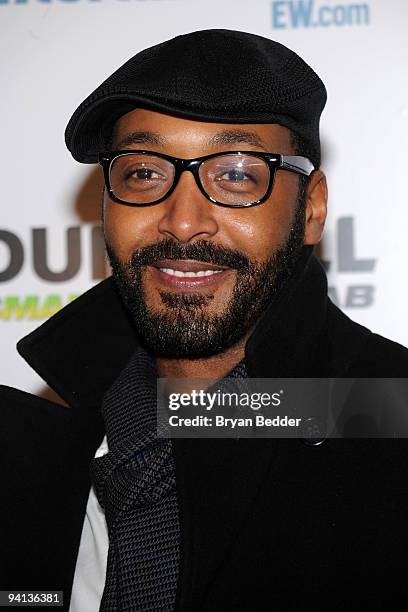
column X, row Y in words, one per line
column 89, row 131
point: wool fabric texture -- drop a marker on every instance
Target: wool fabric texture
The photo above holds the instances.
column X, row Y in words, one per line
column 224, row 76
column 135, row 484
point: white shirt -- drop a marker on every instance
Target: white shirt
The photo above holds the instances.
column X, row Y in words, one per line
column 90, row 570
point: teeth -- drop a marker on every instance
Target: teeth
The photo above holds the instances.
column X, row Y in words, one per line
column 189, row 274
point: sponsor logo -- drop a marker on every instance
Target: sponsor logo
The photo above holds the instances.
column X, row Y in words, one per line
column 310, row 14
column 32, row 307
column 37, row 254
column 38, row 251
column 358, row 295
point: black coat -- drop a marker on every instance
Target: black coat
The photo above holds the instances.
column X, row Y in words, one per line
column 265, row 524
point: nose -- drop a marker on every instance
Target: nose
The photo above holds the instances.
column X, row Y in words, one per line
column 187, row 214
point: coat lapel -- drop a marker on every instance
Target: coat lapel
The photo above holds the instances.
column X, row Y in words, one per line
column 83, row 348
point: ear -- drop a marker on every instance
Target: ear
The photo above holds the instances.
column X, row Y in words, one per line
column 316, row 207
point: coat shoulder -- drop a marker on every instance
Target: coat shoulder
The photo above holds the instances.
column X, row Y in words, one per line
column 43, row 428
column 382, row 358
column 367, row 354
column 26, row 418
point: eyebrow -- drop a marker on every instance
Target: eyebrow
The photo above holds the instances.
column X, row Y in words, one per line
column 141, row 137
column 226, row 137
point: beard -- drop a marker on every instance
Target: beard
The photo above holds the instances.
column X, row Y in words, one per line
column 185, row 330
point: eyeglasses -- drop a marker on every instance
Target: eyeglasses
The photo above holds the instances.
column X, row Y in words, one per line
column 232, row 178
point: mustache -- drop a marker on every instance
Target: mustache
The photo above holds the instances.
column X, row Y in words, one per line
column 202, row 251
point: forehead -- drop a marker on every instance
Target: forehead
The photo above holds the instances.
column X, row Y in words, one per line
column 163, row 131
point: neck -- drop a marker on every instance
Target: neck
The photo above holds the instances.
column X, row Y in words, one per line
column 214, row 367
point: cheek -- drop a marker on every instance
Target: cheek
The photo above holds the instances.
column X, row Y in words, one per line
column 261, row 230
column 128, row 228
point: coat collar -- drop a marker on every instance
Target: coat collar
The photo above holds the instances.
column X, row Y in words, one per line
column 286, row 337
column 81, row 350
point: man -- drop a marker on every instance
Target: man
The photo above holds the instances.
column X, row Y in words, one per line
column 213, row 201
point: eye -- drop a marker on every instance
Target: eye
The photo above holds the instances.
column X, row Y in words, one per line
column 143, row 174
column 235, row 175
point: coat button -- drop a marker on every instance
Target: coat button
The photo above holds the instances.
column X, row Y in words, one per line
column 313, row 432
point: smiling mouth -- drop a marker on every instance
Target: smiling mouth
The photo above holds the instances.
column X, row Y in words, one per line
column 188, row 273
column 181, row 274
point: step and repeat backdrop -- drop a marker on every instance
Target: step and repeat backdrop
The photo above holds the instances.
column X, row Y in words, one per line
column 55, row 52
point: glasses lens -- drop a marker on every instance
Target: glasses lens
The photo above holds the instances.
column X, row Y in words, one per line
column 140, row 179
column 235, row 179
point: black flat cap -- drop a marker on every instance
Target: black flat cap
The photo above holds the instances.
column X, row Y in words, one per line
column 211, row 75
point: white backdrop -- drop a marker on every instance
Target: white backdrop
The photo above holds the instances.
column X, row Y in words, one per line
column 55, row 52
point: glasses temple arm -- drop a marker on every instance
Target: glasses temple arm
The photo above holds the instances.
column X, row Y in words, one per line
column 297, row 163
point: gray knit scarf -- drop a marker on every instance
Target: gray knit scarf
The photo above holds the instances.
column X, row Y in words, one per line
column 135, row 484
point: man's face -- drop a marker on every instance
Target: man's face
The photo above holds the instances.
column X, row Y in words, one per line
column 248, row 253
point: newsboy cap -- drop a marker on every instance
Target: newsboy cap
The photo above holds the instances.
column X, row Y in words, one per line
column 211, row 75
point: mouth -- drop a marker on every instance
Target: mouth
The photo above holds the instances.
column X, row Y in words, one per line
column 188, row 274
